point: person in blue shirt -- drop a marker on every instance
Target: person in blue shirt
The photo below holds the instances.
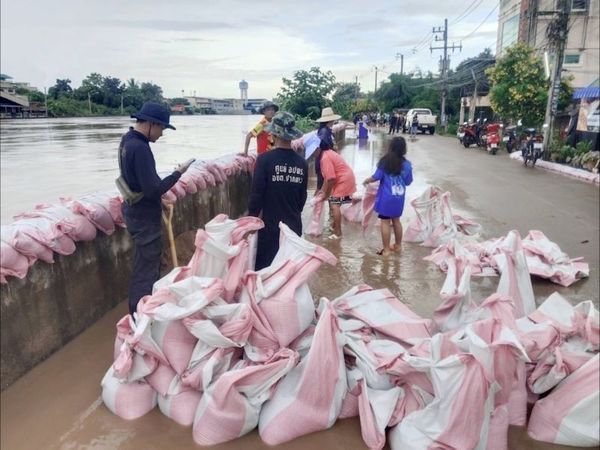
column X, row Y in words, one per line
column 394, row 173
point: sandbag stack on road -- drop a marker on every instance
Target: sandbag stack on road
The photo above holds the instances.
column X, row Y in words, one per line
column 259, row 354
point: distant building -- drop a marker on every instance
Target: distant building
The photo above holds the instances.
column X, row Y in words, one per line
column 243, row 105
column 526, row 21
column 13, row 105
column 244, row 92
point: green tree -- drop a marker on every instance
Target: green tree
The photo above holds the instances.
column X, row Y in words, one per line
column 344, row 98
column 519, row 86
column 565, row 96
column 307, row 92
column 62, row 87
column 151, row 92
column 112, row 88
column 394, row 92
column 179, row 101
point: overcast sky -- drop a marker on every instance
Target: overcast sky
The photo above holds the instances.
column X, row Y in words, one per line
column 209, row 46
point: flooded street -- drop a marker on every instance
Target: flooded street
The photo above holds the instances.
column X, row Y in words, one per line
column 44, row 159
column 57, row 405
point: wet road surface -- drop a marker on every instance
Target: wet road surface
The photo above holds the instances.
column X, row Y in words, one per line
column 57, row 405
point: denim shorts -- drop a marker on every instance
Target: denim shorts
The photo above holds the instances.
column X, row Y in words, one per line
column 340, row 200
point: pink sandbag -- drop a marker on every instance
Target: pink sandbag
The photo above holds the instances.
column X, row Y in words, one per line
column 515, row 281
column 352, row 212
column 458, row 380
column 368, row 204
column 179, row 190
column 470, row 253
column 161, row 379
column 570, row 414
column 169, row 198
column 310, row 397
column 196, row 175
column 76, row 226
column 97, row 209
column 180, row 403
column 382, row 311
column 546, row 260
column 317, row 217
column 230, row 407
column 12, row 263
column 175, row 341
column 25, row 244
column 279, row 296
column 457, row 305
column 188, row 183
column 45, row 232
column 428, row 215
column 129, row 401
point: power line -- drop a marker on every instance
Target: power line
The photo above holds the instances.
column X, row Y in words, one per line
column 467, row 11
column 480, row 25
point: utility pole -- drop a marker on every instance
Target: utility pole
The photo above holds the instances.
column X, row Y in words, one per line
column 557, row 33
column 46, row 100
column 401, row 56
column 445, row 63
column 121, row 103
column 356, row 88
column 376, row 69
column 472, row 107
column 90, row 102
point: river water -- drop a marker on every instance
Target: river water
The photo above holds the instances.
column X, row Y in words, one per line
column 44, row 159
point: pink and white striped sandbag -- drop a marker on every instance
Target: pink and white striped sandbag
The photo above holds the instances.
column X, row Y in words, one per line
column 310, row 397
column 175, row 341
column 545, row 259
column 515, row 281
column 376, row 408
column 368, row 205
column 161, row 378
column 317, row 217
column 98, row 209
column 76, row 226
column 383, row 312
column 570, row 414
column 352, row 212
column 279, row 296
column 428, row 215
column 129, row 401
column 26, row 245
column 180, row 403
column 230, row 407
column 45, row 232
column 458, row 380
column 457, row 304
column 208, row 364
column 12, row 263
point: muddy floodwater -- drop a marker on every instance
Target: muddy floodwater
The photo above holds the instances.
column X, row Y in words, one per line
column 44, row 159
column 58, row 406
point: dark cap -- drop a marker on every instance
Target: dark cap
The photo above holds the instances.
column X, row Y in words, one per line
column 268, row 104
column 155, row 113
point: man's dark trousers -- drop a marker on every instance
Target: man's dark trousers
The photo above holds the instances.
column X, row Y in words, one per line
column 145, row 229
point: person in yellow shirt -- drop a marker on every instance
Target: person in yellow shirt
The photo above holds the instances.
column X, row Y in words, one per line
column 264, row 139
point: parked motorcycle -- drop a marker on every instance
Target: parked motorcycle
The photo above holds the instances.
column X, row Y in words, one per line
column 510, row 138
column 492, row 137
column 471, row 134
column 532, row 146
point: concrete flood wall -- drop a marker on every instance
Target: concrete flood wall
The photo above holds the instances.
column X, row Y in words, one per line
column 55, row 302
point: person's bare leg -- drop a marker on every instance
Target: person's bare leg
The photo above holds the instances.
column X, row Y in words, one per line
column 336, row 212
column 385, row 237
column 397, row 234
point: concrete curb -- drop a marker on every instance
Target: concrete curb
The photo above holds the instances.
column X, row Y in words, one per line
column 579, row 174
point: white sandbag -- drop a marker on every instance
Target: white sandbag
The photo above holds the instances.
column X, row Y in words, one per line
column 180, row 403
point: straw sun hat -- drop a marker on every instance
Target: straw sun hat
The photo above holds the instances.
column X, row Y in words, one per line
column 327, row 115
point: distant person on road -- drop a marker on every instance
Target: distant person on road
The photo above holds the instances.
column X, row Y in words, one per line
column 394, row 173
column 325, row 134
column 264, row 140
column 142, row 207
column 414, row 126
column 278, row 188
column 400, row 122
column 393, row 122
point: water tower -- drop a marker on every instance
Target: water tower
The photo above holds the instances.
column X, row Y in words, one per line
column 244, row 91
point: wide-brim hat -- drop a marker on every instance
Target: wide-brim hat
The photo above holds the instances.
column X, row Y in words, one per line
column 327, row 115
column 268, row 104
column 155, row 113
column 283, row 125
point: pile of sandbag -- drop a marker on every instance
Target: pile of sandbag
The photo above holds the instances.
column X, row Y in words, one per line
column 262, row 356
column 55, row 228
column 454, row 237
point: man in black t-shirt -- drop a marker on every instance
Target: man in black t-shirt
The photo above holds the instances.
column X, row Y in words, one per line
column 278, row 188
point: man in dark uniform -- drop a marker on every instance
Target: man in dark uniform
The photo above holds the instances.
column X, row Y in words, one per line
column 278, row 188
column 142, row 213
